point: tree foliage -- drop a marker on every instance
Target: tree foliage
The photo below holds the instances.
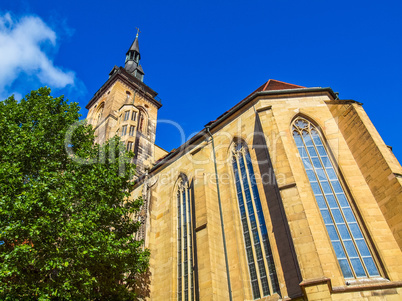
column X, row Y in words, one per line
column 64, row 222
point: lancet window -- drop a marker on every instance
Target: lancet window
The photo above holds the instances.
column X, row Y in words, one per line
column 100, row 112
column 185, row 272
column 350, row 246
column 142, row 122
column 258, row 251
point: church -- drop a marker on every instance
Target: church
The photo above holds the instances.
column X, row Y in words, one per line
column 291, row 194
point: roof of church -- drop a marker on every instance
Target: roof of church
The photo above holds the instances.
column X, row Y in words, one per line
column 270, row 85
column 273, row 84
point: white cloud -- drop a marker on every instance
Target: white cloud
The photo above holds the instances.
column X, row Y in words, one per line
column 21, row 53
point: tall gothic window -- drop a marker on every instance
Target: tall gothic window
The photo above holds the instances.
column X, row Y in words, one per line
column 258, row 251
column 185, row 273
column 347, row 239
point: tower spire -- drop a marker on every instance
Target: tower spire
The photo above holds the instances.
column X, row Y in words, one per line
column 133, row 56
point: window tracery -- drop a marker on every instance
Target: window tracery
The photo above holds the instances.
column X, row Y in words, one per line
column 185, row 273
column 347, row 239
column 260, row 261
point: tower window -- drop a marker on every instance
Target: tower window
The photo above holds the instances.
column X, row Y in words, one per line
column 128, row 94
column 124, row 130
column 133, row 115
column 257, row 247
column 100, row 113
column 347, row 239
column 142, row 122
column 126, row 115
column 132, row 130
column 129, row 146
column 185, row 273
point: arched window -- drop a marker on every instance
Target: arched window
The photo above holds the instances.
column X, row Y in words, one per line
column 258, row 251
column 185, row 273
column 100, row 112
column 347, row 239
column 142, row 122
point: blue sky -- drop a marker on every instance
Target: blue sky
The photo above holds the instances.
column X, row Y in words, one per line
column 202, row 57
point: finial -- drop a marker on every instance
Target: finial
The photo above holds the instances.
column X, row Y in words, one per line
column 138, row 31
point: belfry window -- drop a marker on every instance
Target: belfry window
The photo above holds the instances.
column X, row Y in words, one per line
column 258, row 251
column 347, row 239
column 185, row 273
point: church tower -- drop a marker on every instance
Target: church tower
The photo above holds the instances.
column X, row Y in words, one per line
column 289, row 195
column 127, row 107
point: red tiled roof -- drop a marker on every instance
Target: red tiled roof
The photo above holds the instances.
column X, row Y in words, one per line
column 273, row 84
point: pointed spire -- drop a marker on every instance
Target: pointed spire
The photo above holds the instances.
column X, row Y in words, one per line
column 134, row 46
column 133, row 57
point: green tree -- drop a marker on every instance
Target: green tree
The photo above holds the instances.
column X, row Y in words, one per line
column 64, row 222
